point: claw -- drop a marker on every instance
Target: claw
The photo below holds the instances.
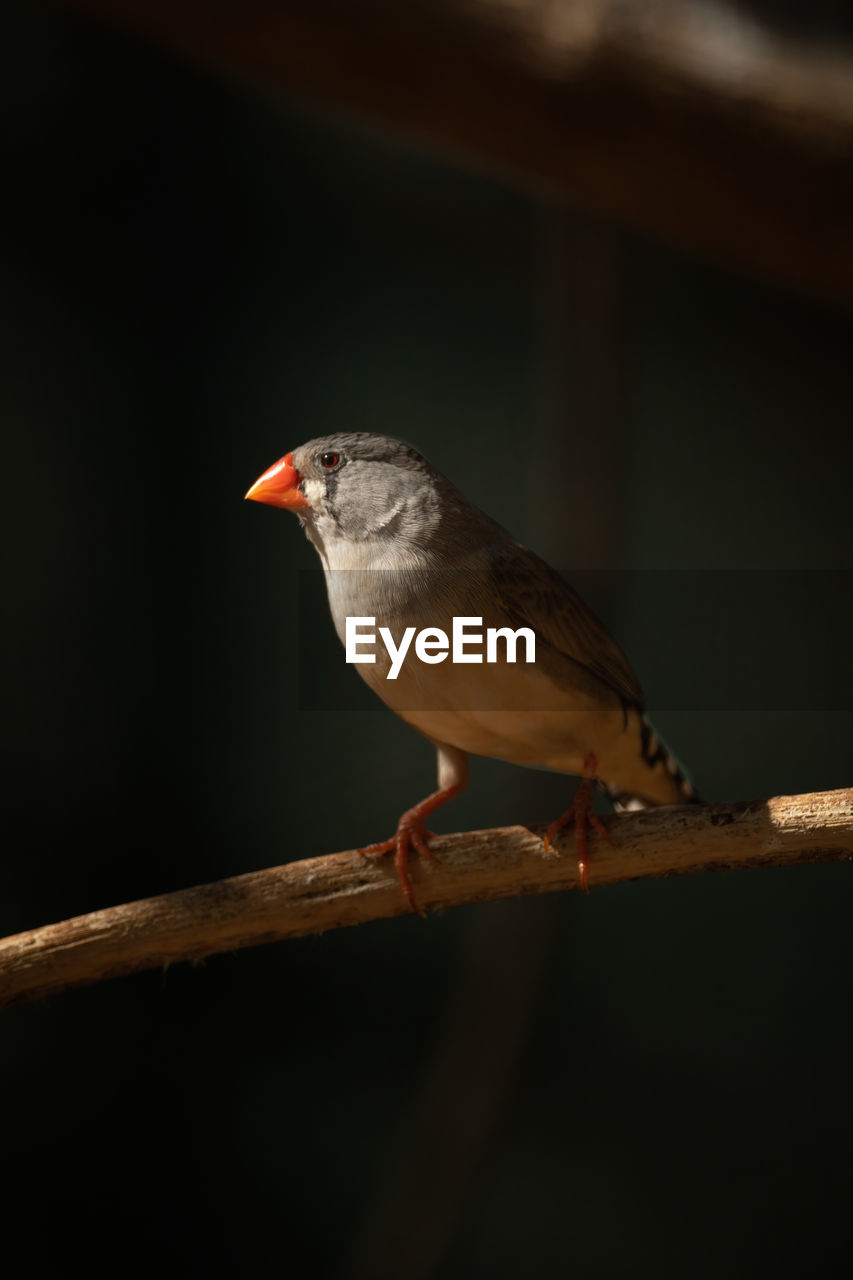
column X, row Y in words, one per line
column 411, row 834
column 581, row 816
column 379, row 849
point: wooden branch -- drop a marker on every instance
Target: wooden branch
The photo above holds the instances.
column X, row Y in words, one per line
column 345, row 888
column 699, row 125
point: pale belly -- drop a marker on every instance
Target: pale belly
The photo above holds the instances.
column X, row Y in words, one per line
column 516, row 712
column 510, row 712
column 558, row 740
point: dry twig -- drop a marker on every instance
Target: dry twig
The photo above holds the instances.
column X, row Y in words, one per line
column 476, row 866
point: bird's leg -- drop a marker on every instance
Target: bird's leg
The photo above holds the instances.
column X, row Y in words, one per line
column 412, row 832
column 582, row 816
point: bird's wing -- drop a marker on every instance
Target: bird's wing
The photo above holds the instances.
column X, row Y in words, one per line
column 532, row 594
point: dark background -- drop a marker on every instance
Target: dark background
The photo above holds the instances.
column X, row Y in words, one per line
column 196, row 277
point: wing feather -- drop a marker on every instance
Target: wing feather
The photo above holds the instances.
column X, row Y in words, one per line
column 532, row 594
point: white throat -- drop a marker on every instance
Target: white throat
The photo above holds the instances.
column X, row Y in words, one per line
column 339, row 553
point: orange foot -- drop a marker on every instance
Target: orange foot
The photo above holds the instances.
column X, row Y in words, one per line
column 412, row 834
column 582, row 816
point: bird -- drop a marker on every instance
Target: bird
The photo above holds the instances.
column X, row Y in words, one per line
column 401, row 547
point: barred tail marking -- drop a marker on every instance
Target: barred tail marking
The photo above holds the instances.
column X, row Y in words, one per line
column 654, row 753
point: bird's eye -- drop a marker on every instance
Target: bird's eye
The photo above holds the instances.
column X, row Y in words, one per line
column 329, row 460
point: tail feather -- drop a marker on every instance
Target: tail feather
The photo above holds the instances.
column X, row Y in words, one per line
column 655, row 755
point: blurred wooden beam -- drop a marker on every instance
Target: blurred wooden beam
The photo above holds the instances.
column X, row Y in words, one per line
column 691, row 123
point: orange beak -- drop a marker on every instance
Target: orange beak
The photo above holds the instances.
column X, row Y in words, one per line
column 279, row 485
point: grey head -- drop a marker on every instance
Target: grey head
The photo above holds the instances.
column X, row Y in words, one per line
column 371, row 500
